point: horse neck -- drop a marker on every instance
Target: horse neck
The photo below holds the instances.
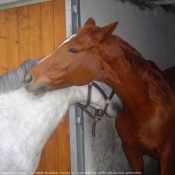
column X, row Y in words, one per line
column 38, row 117
column 126, row 72
column 29, row 122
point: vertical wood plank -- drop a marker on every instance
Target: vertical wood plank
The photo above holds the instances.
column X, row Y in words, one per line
column 47, row 27
column 51, row 154
column 50, row 149
column 35, row 47
column 41, row 166
column 35, row 31
column 64, row 145
column 59, row 21
column 63, row 127
column 3, row 42
column 12, row 38
column 23, row 33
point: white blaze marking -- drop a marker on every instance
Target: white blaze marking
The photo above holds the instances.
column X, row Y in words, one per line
column 67, row 40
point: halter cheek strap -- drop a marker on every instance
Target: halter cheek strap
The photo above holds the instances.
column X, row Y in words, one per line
column 98, row 113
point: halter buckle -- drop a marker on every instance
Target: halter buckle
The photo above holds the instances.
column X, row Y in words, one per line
column 108, row 101
column 97, row 118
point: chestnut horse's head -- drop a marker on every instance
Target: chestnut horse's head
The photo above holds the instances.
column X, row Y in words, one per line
column 77, row 61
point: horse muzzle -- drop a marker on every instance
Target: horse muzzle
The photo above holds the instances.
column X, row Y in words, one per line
column 36, row 87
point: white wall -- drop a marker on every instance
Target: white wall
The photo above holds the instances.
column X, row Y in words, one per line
column 152, row 33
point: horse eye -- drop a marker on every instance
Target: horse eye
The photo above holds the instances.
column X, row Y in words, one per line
column 73, row 50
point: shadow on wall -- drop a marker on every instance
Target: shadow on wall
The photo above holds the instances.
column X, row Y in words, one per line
column 104, row 153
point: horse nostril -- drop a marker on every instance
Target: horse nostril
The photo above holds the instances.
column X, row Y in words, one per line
column 29, row 80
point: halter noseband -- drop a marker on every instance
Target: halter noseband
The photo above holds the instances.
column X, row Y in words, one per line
column 98, row 113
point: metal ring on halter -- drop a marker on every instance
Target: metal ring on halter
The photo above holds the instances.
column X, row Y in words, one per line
column 98, row 113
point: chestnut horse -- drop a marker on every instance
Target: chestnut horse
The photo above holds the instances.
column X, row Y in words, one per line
column 146, row 124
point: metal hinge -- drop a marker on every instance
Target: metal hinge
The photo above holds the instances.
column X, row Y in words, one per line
column 79, row 120
column 75, row 9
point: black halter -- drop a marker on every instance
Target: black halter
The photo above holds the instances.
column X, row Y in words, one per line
column 98, row 113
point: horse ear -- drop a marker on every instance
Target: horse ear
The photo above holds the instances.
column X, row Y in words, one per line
column 90, row 21
column 106, row 31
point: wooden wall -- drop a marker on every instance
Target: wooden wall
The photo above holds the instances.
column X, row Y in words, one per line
column 31, row 32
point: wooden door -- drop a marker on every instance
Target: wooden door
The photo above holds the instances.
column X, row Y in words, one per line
column 31, row 32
